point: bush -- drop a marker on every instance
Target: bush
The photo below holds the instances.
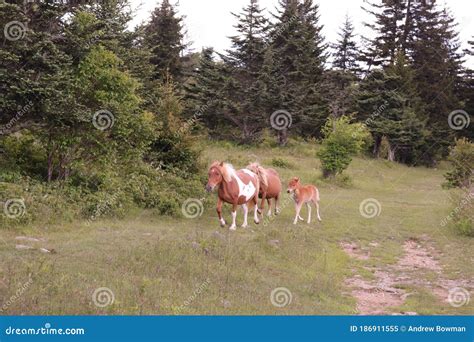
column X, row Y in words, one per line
column 462, row 214
column 342, row 140
column 461, row 157
column 282, row 163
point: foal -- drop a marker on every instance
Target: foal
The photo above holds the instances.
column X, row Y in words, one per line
column 303, row 194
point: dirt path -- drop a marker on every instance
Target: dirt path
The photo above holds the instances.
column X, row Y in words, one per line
column 384, row 292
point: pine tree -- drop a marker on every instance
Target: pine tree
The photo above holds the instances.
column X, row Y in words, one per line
column 165, row 38
column 435, row 60
column 388, row 28
column 391, row 108
column 205, row 97
column 298, row 45
column 346, row 52
column 245, row 60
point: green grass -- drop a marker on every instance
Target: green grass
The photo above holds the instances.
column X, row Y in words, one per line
column 163, row 265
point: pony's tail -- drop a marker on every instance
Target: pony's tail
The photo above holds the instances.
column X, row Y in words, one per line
column 263, row 176
column 317, row 194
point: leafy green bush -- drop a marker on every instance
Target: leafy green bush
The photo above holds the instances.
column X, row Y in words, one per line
column 462, row 215
column 342, row 140
column 461, row 157
column 22, row 154
column 282, row 163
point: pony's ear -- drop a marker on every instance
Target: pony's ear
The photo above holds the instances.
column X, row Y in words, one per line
column 221, row 164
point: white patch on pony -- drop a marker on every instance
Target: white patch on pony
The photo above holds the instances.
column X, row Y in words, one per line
column 250, row 173
column 246, row 190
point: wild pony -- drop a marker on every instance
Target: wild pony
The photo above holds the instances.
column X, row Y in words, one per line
column 303, row 194
column 270, row 186
column 235, row 187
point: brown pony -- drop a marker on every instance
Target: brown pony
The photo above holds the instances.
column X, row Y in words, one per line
column 303, row 194
column 234, row 187
column 270, row 186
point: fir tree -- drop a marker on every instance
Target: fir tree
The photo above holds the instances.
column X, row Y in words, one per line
column 388, row 30
column 164, row 36
column 244, row 61
column 391, row 108
column 436, row 63
column 299, row 46
column 346, row 52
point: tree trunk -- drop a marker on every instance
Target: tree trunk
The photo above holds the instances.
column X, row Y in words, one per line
column 50, row 160
column 377, row 143
column 283, row 137
column 391, row 152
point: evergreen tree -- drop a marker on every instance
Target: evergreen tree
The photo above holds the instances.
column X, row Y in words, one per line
column 388, row 28
column 245, row 60
column 436, row 63
column 205, row 96
column 346, row 52
column 164, row 36
column 391, row 108
column 298, row 45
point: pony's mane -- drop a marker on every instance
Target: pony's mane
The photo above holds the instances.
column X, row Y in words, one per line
column 260, row 171
column 226, row 169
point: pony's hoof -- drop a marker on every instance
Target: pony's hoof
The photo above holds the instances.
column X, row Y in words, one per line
column 257, row 221
column 232, row 228
column 244, row 226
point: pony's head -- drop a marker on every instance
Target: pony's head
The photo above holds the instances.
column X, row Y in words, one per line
column 260, row 172
column 218, row 172
column 293, row 184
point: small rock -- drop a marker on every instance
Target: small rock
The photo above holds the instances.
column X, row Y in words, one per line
column 195, row 245
column 226, row 303
column 218, row 235
column 23, row 247
column 44, row 250
column 274, row 243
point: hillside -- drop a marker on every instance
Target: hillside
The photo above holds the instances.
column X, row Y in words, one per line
column 399, row 261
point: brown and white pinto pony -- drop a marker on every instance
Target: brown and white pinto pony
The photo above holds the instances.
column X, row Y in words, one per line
column 235, row 187
column 303, row 194
column 270, row 186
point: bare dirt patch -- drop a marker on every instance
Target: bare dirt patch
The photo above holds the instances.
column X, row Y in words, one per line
column 354, row 251
column 379, row 295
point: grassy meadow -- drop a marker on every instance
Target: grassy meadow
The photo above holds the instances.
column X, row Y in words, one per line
column 176, row 265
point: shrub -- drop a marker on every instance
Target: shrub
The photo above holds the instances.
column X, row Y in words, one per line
column 342, row 140
column 462, row 215
column 461, row 157
column 282, row 163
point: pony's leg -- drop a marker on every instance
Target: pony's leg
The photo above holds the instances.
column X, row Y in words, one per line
column 277, row 210
column 246, row 211
column 255, row 213
column 219, row 212
column 316, row 203
column 309, row 212
column 298, row 208
column 234, row 216
column 269, row 202
column 262, row 203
